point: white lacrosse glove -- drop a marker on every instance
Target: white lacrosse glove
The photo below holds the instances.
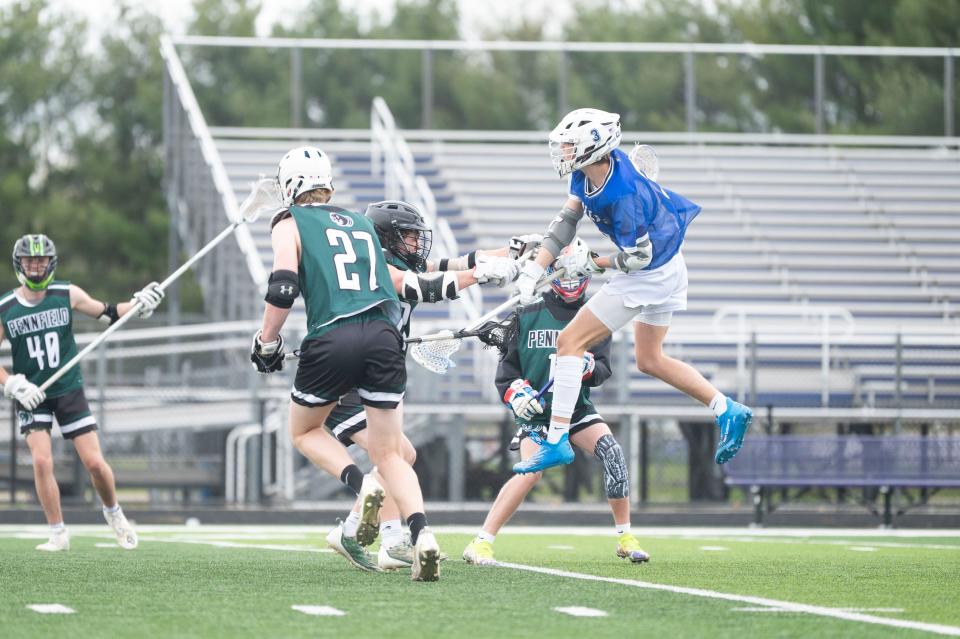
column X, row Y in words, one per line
column 498, row 271
column 589, row 363
column 522, row 399
column 267, row 357
column 20, row 389
column 149, row 297
column 530, row 275
column 523, row 244
column 578, row 263
column 636, row 258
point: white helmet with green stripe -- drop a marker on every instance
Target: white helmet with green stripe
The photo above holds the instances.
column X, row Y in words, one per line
column 35, row 246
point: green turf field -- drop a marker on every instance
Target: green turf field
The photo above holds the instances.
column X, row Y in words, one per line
column 243, row 582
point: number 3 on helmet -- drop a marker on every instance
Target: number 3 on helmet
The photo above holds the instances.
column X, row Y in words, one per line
column 583, row 137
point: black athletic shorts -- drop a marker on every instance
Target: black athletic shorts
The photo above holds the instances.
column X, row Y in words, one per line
column 362, row 354
column 347, row 418
column 71, row 410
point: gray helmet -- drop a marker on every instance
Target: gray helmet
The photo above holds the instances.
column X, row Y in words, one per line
column 35, row 246
column 391, row 218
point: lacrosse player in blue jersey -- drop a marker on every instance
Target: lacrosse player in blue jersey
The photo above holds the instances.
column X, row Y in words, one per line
column 647, row 223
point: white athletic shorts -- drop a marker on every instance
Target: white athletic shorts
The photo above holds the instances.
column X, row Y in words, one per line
column 646, row 296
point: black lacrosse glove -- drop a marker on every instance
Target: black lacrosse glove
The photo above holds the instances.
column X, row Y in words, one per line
column 267, row 358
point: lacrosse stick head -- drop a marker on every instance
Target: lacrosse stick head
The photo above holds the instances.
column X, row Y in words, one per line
column 644, row 159
column 435, row 355
column 498, row 335
column 264, row 198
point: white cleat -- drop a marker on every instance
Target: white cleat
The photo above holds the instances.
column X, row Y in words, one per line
column 395, row 557
column 122, row 530
column 371, row 499
column 56, row 543
column 426, row 558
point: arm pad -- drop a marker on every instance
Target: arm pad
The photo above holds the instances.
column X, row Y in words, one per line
column 283, row 287
column 433, row 287
column 109, row 314
column 562, row 230
column 462, row 263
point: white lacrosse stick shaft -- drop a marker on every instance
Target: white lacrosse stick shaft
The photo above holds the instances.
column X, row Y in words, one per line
column 250, row 210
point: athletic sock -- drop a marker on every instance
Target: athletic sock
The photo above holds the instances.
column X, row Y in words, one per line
column 622, row 529
column 352, row 478
column 416, row 522
column 112, row 509
column 483, row 535
column 351, row 524
column 718, row 404
column 57, row 529
column 391, row 533
column 568, row 375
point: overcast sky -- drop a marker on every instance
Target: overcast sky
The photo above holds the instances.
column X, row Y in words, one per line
column 477, row 15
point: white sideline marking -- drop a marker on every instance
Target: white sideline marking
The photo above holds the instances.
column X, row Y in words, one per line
column 580, row 611
column 714, row 548
column 51, row 609
column 560, row 547
column 751, row 609
column 105, row 545
column 863, row 548
column 820, row 611
column 320, row 611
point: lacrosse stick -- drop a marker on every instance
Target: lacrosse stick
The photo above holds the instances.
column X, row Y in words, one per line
column 433, row 351
column 264, row 196
column 644, row 158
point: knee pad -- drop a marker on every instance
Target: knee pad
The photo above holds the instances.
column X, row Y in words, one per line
column 616, row 480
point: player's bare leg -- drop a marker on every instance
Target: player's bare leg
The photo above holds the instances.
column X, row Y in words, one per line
column 385, row 446
column 101, row 475
column 732, row 418
column 597, row 440
column 48, row 492
column 326, row 452
column 388, row 520
column 511, row 495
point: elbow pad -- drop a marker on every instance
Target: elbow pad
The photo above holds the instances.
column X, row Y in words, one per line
column 283, row 287
column 429, row 288
column 562, row 230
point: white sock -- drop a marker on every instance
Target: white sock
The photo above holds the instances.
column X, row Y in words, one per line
column 485, row 536
column 622, row 528
column 112, row 509
column 57, row 529
column 719, row 404
column 391, row 533
column 351, row 524
column 568, row 374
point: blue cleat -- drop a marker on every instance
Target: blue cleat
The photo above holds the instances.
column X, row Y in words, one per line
column 733, row 424
column 548, row 456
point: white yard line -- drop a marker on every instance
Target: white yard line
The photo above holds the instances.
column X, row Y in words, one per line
column 233, row 544
column 51, row 609
column 820, row 611
column 760, row 609
column 580, row 611
column 320, row 611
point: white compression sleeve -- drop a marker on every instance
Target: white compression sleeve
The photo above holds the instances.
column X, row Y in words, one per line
column 566, row 390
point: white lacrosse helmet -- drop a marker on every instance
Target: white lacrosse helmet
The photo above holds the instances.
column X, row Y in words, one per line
column 303, row 169
column 590, row 133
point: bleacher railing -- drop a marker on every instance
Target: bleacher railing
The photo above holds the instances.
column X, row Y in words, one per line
column 202, row 202
column 685, row 51
column 390, row 156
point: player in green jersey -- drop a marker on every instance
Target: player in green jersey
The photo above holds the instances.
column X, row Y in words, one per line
column 527, row 365
column 334, row 258
column 36, row 318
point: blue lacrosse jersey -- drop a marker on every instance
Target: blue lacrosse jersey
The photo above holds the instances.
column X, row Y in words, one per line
column 629, row 204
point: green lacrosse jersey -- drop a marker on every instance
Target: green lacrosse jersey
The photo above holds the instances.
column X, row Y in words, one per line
column 406, row 306
column 532, row 354
column 342, row 269
column 41, row 337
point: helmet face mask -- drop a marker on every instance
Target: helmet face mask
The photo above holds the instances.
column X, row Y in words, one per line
column 402, row 231
column 26, row 252
column 303, row 169
column 571, row 289
column 583, row 137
